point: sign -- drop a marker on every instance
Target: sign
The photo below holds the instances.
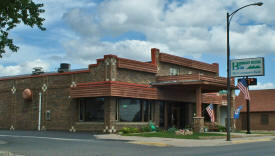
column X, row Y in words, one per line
column 247, row 67
column 250, row 81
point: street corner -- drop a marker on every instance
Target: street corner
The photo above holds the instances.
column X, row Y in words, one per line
column 253, row 140
column 2, row 142
column 158, row 144
column 6, row 153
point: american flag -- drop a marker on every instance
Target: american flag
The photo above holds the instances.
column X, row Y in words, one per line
column 242, row 85
column 210, row 111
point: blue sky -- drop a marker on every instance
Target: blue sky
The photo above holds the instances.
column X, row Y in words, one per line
column 79, row 32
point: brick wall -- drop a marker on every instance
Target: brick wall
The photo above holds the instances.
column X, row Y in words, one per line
column 255, row 121
column 125, row 75
column 23, row 114
column 164, row 70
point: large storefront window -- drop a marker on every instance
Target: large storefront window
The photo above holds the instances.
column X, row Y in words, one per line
column 147, row 109
column 134, row 110
column 91, row 110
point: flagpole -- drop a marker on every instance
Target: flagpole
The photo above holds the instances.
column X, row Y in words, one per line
column 247, row 110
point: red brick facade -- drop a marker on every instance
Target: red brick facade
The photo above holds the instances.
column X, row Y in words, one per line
column 111, row 78
column 262, row 110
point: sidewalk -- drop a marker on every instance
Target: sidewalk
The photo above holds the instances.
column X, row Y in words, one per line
column 5, row 153
column 237, row 138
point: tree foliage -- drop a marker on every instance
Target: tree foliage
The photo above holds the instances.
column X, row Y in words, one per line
column 12, row 13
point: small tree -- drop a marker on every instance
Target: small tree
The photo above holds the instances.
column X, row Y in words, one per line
column 12, row 13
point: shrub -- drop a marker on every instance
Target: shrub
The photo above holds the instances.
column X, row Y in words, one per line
column 146, row 128
column 127, row 130
column 134, row 130
column 172, row 130
column 221, row 128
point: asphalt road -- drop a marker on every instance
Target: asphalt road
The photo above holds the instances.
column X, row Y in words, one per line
column 84, row 144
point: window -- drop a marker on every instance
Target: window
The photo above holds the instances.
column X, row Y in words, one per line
column 174, row 71
column 147, row 109
column 134, row 110
column 264, row 119
column 91, row 109
column 129, row 110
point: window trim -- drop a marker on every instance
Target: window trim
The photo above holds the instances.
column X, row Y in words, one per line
column 142, row 101
column 264, row 119
column 83, row 101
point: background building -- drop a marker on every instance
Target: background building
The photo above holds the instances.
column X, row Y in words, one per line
column 262, row 110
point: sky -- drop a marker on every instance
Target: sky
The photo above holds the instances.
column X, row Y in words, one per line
column 81, row 31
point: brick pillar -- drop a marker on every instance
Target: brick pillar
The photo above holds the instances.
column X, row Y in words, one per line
column 198, row 124
column 110, row 114
column 198, row 120
column 110, row 67
column 198, row 101
column 155, row 56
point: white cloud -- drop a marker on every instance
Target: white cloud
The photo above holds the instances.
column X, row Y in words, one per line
column 54, row 10
column 186, row 28
column 260, row 85
column 88, row 52
column 23, row 68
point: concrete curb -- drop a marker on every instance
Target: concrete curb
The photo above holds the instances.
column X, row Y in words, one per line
column 163, row 142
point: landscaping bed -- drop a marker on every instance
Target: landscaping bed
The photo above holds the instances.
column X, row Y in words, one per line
column 166, row 134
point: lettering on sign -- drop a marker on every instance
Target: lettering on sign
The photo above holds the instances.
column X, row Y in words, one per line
column 247, row 67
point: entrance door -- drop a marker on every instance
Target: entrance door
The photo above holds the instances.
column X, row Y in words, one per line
column 176, row 117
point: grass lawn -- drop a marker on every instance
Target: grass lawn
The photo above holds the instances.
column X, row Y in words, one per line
column 173, row 135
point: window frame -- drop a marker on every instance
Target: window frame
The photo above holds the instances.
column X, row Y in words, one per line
column 82, row 105
column 142, row 111
column 264, row 119
column 174, row 71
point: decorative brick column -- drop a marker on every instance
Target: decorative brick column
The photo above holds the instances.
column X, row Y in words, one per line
column 110, row 67
column 198, row 120
column 198, row 124
column 110, row 115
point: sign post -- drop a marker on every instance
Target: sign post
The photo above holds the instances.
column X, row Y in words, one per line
column 244, row 68
column 247, row 110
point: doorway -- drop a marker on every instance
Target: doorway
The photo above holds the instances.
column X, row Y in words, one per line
column 176, row 115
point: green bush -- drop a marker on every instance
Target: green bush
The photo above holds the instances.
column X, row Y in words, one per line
column 221, row 128
column 127, row 130
column 134, row 130
column 172, row 130
column 157, row 129
column 146, row 128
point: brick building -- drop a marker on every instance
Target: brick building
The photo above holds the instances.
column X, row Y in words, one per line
column 262, row 110
column 113, row 93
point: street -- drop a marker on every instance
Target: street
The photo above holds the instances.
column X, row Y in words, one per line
column 47, row 143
